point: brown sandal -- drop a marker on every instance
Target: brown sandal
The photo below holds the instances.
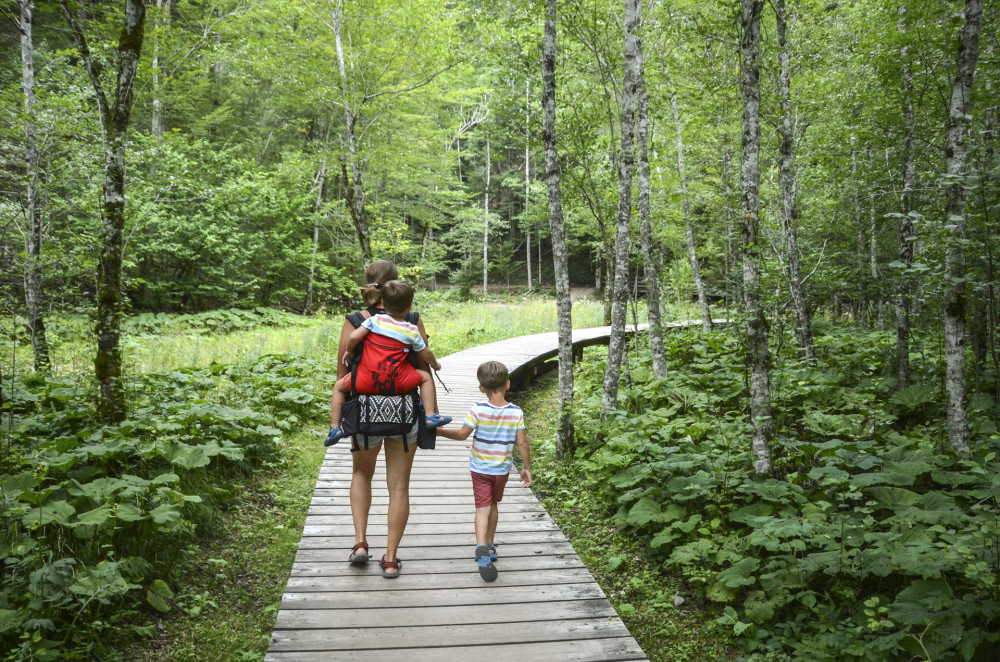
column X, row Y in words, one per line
column 396, row 565
column 359, row 557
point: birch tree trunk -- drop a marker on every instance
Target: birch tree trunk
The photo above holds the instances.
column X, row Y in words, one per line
column 158, row 123
column 646, row 233
column 758, row 355
column 907, row 235
column 33, row 263
column 706, row 315
column 619, row 304
column 115, row 118
column 527, row 171
column 788, row 184
column 955, row 289
column 486, row 220
column 564, row 306
column 863, row 307
column 317, row 205
column 355, row 186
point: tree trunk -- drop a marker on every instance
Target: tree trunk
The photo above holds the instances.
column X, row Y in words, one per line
column 527, row 173
column 788, row 183
column 955, row 289
column 115, row 118
column 33, row 263
column 564, row 306
column 907, row 235
column 646, row 233
column 706, row 315
column 486, row 220
column 616, row 347
column 355, row 187
column 758, row 355
column 317, row 205
column 158, row 123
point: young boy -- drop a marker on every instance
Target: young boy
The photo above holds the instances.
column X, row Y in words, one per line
column 384, row 367
column 498, row 425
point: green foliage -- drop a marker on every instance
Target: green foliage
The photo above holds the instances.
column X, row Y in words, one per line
column 870, row 541
column 97, row 521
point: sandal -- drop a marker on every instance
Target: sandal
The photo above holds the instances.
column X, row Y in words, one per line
column 492, row 549
column 436, row 420
column 396, row 565
column 359, row 557
column 487, row 570
column 336, row 434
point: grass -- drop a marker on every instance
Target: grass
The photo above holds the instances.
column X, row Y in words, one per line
column 642, row 593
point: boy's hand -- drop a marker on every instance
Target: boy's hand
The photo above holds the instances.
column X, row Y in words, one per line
column 347, row 359
column 525, row 477
column 436, row 365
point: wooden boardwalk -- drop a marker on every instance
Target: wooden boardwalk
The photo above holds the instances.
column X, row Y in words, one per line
column 545, row 605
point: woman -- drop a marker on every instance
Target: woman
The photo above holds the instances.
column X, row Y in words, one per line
column 398, row 462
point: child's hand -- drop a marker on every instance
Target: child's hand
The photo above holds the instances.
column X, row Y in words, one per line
column 436, row 365
column 525, row 477
column 347, row 359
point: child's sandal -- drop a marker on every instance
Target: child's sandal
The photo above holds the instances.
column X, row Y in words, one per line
column 336, row 434
column 436, row 420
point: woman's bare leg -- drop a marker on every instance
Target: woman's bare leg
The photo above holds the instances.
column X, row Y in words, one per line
column 397, row 476
column 361, row 490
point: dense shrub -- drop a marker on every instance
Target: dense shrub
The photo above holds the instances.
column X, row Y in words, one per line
column 871, row 541
column 96, row 521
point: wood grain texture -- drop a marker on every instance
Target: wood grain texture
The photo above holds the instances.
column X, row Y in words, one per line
column 545, row 604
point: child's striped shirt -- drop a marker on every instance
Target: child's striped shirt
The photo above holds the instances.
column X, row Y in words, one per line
column 494, row 434
column 404, row 332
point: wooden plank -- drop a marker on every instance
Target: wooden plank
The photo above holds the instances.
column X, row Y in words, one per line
column 411, row 581
column 324, row 619
column 415, row 566
column 438, row 597
column 484, row 634
column 620, row 649
column 345, row 539
column 410, row 552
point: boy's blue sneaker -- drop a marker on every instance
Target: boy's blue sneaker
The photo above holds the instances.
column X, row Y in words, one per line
column 436, row 420
column 486, row 568
column 336, row 434
column 492, row 549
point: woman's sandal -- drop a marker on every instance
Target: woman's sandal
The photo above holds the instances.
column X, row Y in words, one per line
column 359, row 557
column 436, row 420
column 396, row 565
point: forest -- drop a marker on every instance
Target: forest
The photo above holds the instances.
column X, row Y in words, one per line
column 190, row 191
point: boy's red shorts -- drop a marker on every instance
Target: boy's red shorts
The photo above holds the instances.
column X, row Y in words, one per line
column 488, row 488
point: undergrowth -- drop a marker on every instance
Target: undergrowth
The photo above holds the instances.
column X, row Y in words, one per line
column 871, row 540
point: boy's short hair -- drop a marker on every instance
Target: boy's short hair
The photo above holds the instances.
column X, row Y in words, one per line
column 397, row 297
column 492, row 376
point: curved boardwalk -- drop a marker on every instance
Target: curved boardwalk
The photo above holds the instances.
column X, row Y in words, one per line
column 544, row 606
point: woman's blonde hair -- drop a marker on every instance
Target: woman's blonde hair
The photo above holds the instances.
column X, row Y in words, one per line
column 377, row 273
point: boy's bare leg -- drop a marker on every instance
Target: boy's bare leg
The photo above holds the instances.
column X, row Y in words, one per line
column 491, row 522
column 337, row 403
column 483, row 524
column 428, row 393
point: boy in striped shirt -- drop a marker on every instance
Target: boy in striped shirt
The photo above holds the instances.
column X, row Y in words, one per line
column 498, row 425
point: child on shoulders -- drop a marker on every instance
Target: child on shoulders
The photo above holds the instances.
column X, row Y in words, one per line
column 384, row 368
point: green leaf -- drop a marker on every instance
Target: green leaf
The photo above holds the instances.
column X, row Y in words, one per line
column 740, row 573
column 95, row 517
column 643, row 511
column 57, row 512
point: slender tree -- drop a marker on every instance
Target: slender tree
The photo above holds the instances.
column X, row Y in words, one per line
column 33, row 263
column 527, row 172
column 564, row 305
column 699, row 286
column 789, row 184
column 626, row 162
column 907, row 233
column 651, row 272
column 486, row 220
column 758, row 354
column 955, row 287
column 116, row 115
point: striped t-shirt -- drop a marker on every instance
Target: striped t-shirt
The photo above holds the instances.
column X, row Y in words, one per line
column 494, row 433
column 404, row 332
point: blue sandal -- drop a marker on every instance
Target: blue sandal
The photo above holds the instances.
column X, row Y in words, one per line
column 436, row 420
column 486, row 568
column 336, row 434
column 492, row 549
